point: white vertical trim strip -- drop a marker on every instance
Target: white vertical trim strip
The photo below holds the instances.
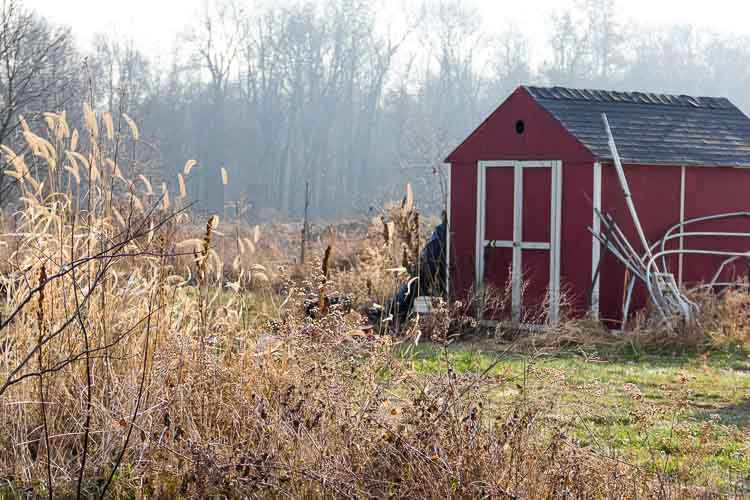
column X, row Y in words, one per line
column 517, row 269
column 552, row 234
column 448, row 237
column 556, row 236
column 595, row 244
column 682, row 220
column 479, row 255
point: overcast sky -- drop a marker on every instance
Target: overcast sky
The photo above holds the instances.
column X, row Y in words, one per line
column 155, row 23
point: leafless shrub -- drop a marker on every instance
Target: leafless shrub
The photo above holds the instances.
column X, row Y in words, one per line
column 150, row 381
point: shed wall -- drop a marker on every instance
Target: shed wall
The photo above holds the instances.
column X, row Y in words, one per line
column 463, row 222
column 656, row 195
column 544, row 138
column 576, row 240
column 711, row 191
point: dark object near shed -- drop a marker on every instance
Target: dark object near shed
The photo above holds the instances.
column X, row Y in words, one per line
column 430, row 277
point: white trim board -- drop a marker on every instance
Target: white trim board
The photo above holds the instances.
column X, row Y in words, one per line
column 556, row 235
column 525, row 245
column 517, row 267
column 479, row 230
column 596, row 245
column 680, row 257
column 517, row 244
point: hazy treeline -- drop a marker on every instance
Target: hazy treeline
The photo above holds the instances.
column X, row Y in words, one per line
column 352, row 97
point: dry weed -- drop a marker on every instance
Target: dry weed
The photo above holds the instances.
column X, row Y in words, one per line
column 129, row 366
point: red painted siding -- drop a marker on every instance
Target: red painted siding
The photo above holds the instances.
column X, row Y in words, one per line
column 656, row 195
column 497, row 271
column 544, row 137
column 463, row 223
column 536, row 228
column 537, row 193
column 499, row 188
column 536, row 283
column 576, row 240
column 711, row 191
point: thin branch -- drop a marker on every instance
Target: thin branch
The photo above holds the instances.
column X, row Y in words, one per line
column 137, row 402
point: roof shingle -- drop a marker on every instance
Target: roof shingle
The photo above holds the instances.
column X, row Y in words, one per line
column 653, row 129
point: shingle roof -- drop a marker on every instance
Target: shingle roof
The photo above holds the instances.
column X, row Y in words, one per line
column 653, row 128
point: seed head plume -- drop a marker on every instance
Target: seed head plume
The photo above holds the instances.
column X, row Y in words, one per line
column 133, row 127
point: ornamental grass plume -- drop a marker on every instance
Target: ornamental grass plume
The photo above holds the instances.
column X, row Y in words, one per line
column 129, row 367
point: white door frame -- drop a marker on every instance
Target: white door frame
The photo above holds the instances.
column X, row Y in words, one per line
column 517, row 244
column 596, row 245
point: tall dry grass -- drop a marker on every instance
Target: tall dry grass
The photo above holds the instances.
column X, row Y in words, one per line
column 130, row 363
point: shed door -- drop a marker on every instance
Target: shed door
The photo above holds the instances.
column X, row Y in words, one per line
column 519, row 239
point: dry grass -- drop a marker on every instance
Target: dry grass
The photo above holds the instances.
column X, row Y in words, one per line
column 724, row 322
column 134, row 361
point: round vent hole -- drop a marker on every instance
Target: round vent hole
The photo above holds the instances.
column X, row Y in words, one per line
column 520, row 127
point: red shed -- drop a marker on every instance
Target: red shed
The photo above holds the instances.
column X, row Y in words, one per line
column 525, row 185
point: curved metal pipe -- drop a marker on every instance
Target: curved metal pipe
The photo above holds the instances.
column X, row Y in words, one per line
column 695, row 220
column 664, row 253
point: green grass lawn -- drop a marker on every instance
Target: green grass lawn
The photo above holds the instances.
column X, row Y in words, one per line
column 685, row 416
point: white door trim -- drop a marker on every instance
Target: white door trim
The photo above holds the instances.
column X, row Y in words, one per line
column 596, row 245
column 517, row 267
column 556, row 238
column 525, row 245
column 518, row 245
column 480, row 230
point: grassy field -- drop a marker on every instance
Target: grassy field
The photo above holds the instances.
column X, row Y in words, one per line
column 686, row 416
column 148, row 352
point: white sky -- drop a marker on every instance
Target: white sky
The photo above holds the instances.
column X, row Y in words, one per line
column 153, row 24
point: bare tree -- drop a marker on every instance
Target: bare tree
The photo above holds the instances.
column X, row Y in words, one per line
column 570, row 62
column 605, row 37
column 328, row 92
column 668, row 61
column 512, row 60
column 450, row 99
column 215, row 44
column 121, row 74
column 37, row 70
